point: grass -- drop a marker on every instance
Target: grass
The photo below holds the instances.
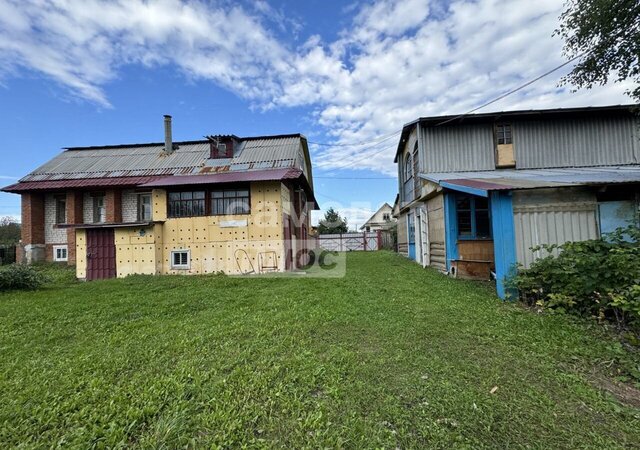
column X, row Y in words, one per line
column 390, row 356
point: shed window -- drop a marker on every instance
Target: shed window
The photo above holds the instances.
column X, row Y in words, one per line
column 473, row 217
column 99, row 210
column 186, row 204
column 60, row 253
column 503, row 134
column 181, row 259
column 61, row 208
column 230, row 201
column 144, row 207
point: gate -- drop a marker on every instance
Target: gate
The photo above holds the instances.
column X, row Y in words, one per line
column 101, row 254
column 347, row 242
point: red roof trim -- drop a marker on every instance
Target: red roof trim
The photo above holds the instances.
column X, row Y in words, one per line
column 78, row 183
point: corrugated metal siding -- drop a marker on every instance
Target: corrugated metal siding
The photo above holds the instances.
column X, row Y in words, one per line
column 567, row 143
column 459, row 148
column 551, row 222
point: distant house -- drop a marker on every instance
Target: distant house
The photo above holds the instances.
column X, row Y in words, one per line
column 477, row 192
column 226, row 203
column 380, row 220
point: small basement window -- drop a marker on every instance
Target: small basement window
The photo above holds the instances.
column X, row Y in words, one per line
column 181, row 259
column 60, row 253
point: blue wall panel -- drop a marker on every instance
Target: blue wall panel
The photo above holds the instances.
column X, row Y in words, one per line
column 504, row 240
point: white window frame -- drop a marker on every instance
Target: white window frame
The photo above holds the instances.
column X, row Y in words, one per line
column 186, row 266
column 61, row 248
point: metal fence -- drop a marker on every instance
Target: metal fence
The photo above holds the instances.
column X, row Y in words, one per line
column 365, row 241
column 7, row 254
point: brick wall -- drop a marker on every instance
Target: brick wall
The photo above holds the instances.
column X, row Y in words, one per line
column 32, row 236
column 129, row 206
column 33, row 218
column 113, row 205
column 87, row 208
column 52, row 233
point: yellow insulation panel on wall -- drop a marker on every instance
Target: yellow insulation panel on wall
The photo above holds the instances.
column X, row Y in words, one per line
column 81, row 254
column 135, row 251
column 232, row 244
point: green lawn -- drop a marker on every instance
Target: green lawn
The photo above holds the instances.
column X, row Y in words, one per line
column 390, row 356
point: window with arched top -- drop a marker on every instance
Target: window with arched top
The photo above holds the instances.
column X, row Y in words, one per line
column 407, row 175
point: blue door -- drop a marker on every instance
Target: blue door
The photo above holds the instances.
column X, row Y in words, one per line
column 411, row 233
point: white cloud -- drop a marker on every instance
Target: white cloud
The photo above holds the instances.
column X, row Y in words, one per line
column 398, row 60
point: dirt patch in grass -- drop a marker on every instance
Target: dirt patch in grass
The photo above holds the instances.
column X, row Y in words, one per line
column 623, row 392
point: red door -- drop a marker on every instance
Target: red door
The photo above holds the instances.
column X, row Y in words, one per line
column 101, row 254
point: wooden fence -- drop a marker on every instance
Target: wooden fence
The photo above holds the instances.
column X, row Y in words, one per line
column 357, row 241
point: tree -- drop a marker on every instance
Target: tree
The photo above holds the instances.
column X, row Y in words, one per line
column 9, row 231
column 332, row 223
column 604, row 36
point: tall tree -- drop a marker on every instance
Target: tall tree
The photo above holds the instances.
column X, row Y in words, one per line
column 604, row 36
column 332, row 223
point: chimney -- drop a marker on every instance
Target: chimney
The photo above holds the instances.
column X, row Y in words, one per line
column 168, row 142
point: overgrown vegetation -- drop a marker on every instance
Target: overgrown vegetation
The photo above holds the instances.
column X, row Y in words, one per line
column 599, row 278
column 391, row 356
column 9, row 231
column 21, row 277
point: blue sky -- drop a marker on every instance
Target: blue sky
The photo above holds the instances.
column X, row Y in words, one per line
column 90, row 72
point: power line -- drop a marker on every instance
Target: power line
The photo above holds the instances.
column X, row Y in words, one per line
column 376, row 140
column 513, row 91
column 357, row 178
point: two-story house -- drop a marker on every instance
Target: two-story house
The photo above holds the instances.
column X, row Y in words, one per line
column 476, row 192
column 382, row 219
column 237, row 205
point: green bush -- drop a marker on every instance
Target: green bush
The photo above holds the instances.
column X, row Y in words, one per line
column 597, row 278
column 20, row 276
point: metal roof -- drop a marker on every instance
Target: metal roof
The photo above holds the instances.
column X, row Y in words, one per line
column 151, row 159
column 508, row 179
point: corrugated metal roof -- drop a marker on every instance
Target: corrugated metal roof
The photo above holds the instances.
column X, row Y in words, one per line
column 538, row 178
column 150, row 159
column 227, row 177
column 77, row 183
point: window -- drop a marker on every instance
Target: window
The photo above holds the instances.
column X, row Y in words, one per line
column 503, row 134
column 61, row 208
column 222, row 148
column 187, row 204
column 408, row 178
column 230, row 202
column 99, row 210
column 386, row 217
column 473, row 217
column 60, row 253
column 144, row 207
column 181, row 259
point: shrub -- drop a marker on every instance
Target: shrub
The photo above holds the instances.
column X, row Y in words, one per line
column 598, row 278
column 20, row 276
